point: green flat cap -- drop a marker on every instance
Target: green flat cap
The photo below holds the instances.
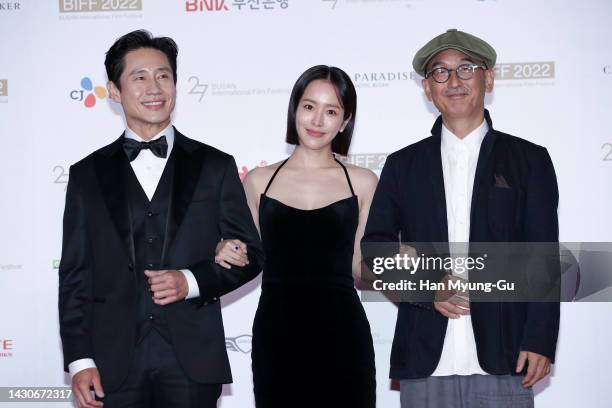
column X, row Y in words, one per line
column 468, row 44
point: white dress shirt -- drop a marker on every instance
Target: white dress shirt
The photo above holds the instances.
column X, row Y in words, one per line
column 148, row 169
column 459, row 160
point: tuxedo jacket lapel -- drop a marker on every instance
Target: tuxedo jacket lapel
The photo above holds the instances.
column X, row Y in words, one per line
column 111, row 166
column 187, row 167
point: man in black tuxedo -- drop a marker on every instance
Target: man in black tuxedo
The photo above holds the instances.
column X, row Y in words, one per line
column 467, row 182
column 139, row 289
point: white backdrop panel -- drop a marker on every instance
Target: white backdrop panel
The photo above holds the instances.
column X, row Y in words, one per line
column 236, row 68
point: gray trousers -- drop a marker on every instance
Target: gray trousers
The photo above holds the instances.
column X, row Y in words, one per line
column 466, row 391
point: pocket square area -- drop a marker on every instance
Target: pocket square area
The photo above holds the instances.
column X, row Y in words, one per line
column 500, row 181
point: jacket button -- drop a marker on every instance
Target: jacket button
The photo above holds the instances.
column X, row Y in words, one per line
column 150, row 240
column 130, row 267
column 149, row 213
column 150, row 265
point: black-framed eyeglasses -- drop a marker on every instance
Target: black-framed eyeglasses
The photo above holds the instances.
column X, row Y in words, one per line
column 463, row 71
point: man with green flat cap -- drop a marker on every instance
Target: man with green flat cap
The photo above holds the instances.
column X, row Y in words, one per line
column 467, row 182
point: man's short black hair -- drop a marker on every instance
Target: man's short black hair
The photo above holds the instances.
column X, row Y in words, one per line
column 115, row 57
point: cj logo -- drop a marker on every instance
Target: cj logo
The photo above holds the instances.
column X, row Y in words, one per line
column 88, row 93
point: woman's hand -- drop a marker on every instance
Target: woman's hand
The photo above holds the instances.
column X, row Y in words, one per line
column 231, row 252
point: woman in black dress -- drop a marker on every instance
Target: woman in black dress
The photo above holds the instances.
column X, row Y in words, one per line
column 312, row 345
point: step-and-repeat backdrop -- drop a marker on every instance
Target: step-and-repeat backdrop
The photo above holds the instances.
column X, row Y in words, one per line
column 238, row 60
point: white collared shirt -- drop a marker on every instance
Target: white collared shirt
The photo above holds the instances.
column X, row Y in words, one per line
column 148, row 169
column 459, row 160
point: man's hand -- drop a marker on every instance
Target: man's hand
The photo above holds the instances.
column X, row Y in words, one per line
column 81, row 384
column 450, row 302
column 453, row 308
column 167, row 286
column 538, row 367
column 231, row 252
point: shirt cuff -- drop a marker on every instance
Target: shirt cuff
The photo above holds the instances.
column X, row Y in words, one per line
column 193, row 290
column 80, row 365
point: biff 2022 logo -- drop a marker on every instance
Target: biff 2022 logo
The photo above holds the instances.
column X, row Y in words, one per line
column 94, row 6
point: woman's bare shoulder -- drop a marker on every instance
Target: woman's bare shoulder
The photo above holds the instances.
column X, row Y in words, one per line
column 259, row 176
column 362, row 178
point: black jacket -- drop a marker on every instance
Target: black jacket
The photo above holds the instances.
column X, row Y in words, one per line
column 98, row 286
column 410, row 200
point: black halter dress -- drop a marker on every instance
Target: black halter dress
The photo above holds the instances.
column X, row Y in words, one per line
column 312, row 345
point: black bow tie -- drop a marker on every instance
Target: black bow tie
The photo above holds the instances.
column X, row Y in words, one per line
column 159, row 147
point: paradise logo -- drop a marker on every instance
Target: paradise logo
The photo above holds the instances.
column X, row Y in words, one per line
column 379, row 79
column 88, row 93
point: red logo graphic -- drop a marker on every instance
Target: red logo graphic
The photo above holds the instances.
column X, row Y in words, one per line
column 242, row 172
column 205, row 5
column 6, row 347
